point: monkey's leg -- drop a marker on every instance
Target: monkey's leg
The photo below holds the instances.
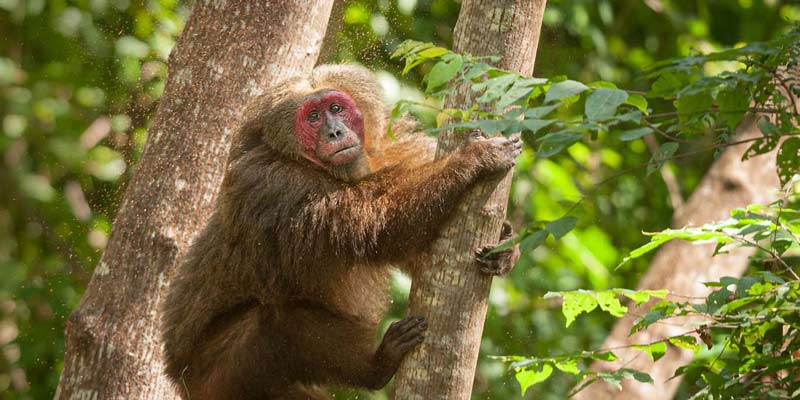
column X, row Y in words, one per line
column 240, row 359
column 332, row 349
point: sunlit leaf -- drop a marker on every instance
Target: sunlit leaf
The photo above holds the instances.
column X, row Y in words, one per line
column 530, row 377
column 654, row 350
column 564, row 89
column 444, row 70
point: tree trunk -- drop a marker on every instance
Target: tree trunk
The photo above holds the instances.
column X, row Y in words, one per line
column 228, row 53
column 450, row 290
column 682, row 267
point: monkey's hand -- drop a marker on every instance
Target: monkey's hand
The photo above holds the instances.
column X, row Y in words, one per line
column 493, row 155
column 502, row 262
column 401, row 337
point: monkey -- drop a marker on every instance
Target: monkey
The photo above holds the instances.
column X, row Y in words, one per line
column 282, row 292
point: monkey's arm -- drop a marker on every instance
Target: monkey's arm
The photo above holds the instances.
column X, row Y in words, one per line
column 397, row 212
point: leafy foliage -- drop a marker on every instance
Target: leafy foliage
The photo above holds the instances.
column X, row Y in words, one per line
column 697, row 103
column 756, row 318
column 704, row 104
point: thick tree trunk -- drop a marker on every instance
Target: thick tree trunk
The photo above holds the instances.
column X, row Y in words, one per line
column 228, row 53
column 682, row 267
column 450, row 291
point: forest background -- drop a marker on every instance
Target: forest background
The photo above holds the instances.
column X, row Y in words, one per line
column 79, row 82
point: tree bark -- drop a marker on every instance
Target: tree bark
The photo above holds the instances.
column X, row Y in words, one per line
column 682, row 267
column 450, row 290
column 228, row 53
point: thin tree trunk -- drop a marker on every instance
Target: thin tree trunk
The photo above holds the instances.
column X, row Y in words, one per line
column 682, row 267
column 228, row 53
column 450, row 291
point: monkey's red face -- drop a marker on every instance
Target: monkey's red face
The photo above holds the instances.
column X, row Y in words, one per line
column 330, row 128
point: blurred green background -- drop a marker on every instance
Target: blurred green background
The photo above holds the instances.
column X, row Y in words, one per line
column 80, row 81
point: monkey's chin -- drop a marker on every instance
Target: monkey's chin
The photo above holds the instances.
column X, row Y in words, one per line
column 345, row 156
column 351, row 172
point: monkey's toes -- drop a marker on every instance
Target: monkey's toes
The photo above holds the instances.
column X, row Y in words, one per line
column 496, row 264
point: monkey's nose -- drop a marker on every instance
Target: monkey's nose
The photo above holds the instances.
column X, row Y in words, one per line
column 335, row 134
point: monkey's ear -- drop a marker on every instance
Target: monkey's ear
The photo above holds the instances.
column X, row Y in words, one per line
column 269, row 119
column 361, row 85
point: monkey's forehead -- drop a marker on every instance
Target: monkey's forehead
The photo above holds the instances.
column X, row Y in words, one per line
column 328, row 94
column 318, row 94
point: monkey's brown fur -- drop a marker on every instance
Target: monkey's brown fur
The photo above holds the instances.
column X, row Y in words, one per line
column 285, row 287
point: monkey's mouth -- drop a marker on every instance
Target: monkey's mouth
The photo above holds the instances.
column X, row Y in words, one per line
column 345, row 155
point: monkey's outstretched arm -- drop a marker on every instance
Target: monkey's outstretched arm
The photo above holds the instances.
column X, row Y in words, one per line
column 394, row 213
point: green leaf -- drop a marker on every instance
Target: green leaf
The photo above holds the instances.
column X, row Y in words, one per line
column 519, row 90
column 564, row 89
column 488, row 126
column 717, row 299
column 418, row 58
column 654, row 350
column 604, row 356
column 492, row 126
column 692, row 105
column 761, row 146
column 530, row 377
column 408, row 47
column 736, row 304
column 541, row 111
column 561, row 226
column 576, row 303
column 652, row 316
column 602, row 103
column 569, row 366
column 768, row 128
column 788, row 160
column 534, row 125
column 664, row 152
column 668, row 84
column 444, row 70
column 494, row 88
column 685, row 342
column 733, row 104
column 641, row 296
column 637, row 101
column 533, row 240
column 615, row 378
column 609, row 303
column 476, row 71
column 554, row 142
column 633, row 134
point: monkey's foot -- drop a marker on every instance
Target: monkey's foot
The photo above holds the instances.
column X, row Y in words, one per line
column 497, row 264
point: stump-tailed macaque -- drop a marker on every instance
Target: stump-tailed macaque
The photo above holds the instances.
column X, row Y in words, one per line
column 283, row 291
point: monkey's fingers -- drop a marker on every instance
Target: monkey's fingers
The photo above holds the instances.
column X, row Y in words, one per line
column 401, row 327
column 409, row 344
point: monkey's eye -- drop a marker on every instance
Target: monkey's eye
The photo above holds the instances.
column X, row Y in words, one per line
column 335, row 108
column 313, row 115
